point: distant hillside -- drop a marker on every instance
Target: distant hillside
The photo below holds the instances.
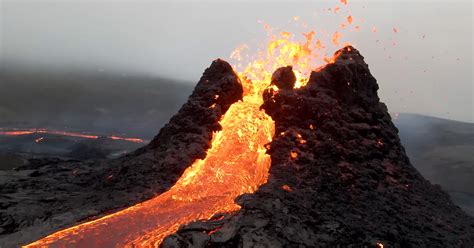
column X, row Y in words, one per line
column 16, row 150
column 443, row 151
column 91, row 101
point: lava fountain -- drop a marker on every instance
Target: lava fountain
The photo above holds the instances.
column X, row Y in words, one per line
column 235, row 164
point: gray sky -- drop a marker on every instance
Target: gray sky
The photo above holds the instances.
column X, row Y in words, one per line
column 430, row 75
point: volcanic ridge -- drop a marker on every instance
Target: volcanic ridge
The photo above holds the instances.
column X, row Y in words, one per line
column 339, row 175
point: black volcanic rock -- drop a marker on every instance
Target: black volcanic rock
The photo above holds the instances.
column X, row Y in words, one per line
column 47, row 195
column 284, row 78
column 339, row 176
column 188, row 134
column 218, row 88
column 85, row 151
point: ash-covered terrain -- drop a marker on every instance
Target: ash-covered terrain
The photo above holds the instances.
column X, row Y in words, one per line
column 346, row 184
column 15, row 150
column 99, row 102
column 441, row 150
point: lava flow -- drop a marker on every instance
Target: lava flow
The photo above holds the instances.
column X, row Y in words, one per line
column 17, row 132
column 235, row 164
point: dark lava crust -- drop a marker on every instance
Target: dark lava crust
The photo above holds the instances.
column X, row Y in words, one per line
column 50, row 194
column 339, row 176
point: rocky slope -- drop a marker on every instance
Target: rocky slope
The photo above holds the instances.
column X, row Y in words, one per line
column 49, row 194
column 441, row 150
column 339, row 176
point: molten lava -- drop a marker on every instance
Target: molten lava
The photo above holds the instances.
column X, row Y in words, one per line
column 235, row 164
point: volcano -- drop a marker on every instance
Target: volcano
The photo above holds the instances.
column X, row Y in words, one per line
column 283, row 162
column 339, row 175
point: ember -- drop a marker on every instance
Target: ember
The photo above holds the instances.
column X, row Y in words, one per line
column 286, row 188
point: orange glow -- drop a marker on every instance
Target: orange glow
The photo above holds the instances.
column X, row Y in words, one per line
column 335, row 38
column 15, row 133
column 344, row 2
column 235, row 164
column 72, row 134
column 65, row 133
column 293, row 154
column 349, row 19
column 319, row 45
column 286, row 188
column 135, row 140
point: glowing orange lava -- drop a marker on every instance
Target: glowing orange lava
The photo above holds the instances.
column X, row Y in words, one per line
column 236, row 163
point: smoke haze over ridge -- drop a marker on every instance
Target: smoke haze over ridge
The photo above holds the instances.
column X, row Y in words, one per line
column 162, row 39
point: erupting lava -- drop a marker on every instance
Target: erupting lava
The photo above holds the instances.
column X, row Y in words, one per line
column 236, row 163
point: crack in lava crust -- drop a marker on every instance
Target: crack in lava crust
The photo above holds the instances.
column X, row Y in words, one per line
column 236, row 163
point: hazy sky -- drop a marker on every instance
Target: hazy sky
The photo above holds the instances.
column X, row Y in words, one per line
column 424, row 68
